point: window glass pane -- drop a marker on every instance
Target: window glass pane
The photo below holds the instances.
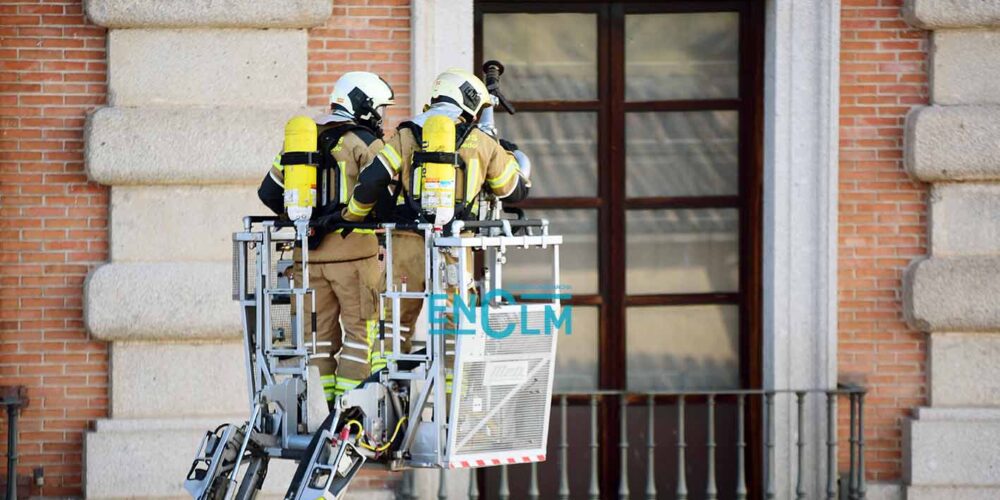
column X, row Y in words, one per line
column 681, row 56
column 562, row 148
column 682, row 251
column 576, row 356
column 682, row 347
column 577, row 255
column 681, row 153
column 545, row 56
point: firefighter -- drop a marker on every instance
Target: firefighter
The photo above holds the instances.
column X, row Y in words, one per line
column 344, row 268
column 462, row 97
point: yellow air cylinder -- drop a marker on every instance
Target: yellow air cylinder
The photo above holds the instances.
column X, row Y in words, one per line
column 300, row 180
column 437, row 195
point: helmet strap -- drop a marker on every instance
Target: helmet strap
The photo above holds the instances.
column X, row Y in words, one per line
column 374, row 123
column 364, row 113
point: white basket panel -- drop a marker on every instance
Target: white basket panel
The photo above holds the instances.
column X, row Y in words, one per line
column 503, row 390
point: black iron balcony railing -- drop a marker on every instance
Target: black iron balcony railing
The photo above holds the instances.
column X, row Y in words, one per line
column 13, row 398
column 806, row 472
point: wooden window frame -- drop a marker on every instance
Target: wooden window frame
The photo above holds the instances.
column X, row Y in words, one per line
column 612, row 203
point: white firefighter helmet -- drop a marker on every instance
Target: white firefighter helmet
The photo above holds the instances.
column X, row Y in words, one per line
column 364, row 95
column 464, row 89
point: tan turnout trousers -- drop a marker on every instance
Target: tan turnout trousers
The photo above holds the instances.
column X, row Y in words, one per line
column 346, row 320
column 346, row 276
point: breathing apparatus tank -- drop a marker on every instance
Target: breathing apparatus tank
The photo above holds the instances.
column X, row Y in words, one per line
column 437, row 195
column 300, row 178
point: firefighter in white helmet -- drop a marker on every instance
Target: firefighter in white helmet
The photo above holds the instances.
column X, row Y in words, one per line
column 345, row 271
column 462, row 97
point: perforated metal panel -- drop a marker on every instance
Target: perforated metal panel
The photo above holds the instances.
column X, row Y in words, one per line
column 237, row 270
column 249, row 270
column 281, row 324
column 503, row 389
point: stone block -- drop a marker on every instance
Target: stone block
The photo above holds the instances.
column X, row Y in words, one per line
column 184, row 145
column 935, row 14
column 203, row 67
column 964, row 369
column 950, row 493
column 953, row 294
column 162, row 300
column 965, row 67
column 427, row 483
column 965, row 219
column 179, row 223
column 953, row 143
column 953, row 448
column 149, row 458
column 883, row 491
column 208, row 13
column 158, row 379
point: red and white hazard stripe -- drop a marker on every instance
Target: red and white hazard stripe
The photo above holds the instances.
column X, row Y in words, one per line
column 465, row 464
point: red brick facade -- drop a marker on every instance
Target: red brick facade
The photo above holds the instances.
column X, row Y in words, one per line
column 363, row 35
column 53, row 230
column 53, row 222
column 883, row 74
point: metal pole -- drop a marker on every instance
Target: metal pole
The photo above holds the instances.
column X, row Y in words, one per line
column 711, row 491
column 12, row 411
column 474, row 485
column 852, row 485
column 594, row 492
column 533, row 485
column 443, row 485
column 504, row 491
column 769, row 447
column 741, row 448
column 408, row 489
column 682, row 492
column 623, row 492
column 831, row 445
column 650, row 450
column 800, row 489
column 862, row 488
column 563, row 455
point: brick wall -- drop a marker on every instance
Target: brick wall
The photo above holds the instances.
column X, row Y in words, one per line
column 53, row 222
column 364, row 35
column 53, row 230
column 882, row 220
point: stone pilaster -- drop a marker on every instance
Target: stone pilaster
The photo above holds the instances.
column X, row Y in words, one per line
column 954, row 144
column 198, row 93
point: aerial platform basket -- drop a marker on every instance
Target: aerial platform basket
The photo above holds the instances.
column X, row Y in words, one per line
column 470, row 398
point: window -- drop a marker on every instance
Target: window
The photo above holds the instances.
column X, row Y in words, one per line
column 640, row 121
column 643, row 123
